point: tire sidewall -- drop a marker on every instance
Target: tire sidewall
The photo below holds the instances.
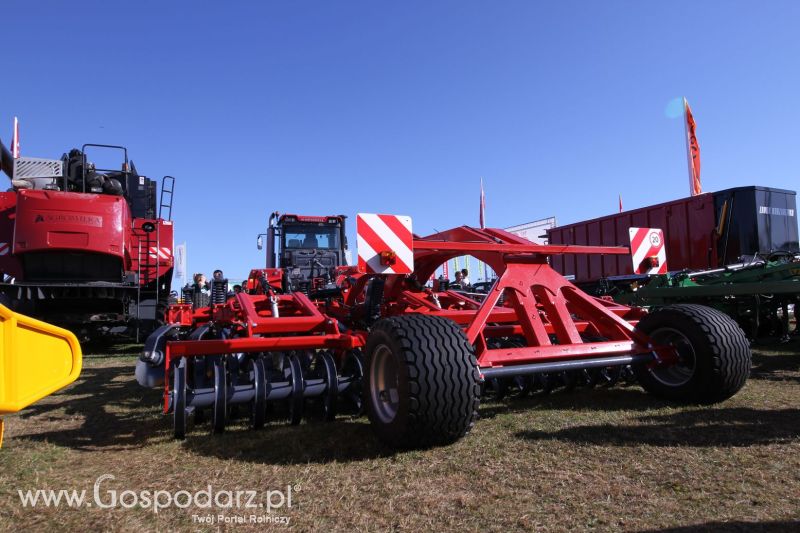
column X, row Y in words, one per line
column 703, row 371
column 394, row 430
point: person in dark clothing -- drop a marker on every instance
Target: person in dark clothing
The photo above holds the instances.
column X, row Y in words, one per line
column 200, row 284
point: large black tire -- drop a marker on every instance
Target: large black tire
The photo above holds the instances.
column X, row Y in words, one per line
column 422, row 381
column 714, row 352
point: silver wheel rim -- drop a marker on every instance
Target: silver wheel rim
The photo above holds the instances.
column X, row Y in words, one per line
column 681, row 372
column 383, row 384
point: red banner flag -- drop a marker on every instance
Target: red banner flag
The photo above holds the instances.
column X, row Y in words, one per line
column 620, row 203
column 692, row 151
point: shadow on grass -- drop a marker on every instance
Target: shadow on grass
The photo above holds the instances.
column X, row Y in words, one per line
column 117, row 413
column 618, row 398
column 776, row 367
column 111, row 409
column 736, row 526
column 314, row 442
column 733, row 427
column 781, row 366
column 99, row 349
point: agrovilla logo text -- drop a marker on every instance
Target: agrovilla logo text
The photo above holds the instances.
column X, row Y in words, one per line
column 104, row 497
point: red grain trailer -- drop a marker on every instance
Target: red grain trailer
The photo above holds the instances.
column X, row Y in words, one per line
column 704, row 231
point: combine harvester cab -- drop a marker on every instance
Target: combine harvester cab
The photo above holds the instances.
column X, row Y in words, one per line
column 36, row 359
column 87, row 248
column 418, row 359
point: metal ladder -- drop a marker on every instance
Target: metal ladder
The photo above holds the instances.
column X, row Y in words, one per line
column 165, row 202
column 147, row 270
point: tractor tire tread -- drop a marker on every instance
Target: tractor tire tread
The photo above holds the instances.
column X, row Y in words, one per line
column 443, row 379
column 724, row 345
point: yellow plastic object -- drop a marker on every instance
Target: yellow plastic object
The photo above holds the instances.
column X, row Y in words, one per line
column 36, row 359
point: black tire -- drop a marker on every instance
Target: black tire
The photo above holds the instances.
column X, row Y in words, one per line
column 435, row 376
column 715, row 355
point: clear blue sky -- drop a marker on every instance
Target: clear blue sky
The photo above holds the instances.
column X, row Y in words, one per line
column 400, row 107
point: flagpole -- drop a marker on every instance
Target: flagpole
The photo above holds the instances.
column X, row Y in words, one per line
column 483, row 226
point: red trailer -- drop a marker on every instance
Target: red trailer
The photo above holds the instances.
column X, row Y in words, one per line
column 701, row 232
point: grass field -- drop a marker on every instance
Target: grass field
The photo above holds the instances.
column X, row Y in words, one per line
column 606, row 459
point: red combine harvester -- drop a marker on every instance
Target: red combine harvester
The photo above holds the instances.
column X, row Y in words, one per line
column 416, row 358
column 85, row 247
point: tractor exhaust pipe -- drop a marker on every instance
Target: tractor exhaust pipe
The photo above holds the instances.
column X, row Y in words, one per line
column 561, row 366
column 6, row 160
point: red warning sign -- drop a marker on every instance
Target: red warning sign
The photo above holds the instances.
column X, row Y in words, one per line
column 385, row 244
column 648, row 250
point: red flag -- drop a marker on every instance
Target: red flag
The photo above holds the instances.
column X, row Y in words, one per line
column 445, row 270
column 692, row 151
column 620, row 203
column 482, row 215
column 15, row 139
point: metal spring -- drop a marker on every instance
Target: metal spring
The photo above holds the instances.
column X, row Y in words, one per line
column 219, row 291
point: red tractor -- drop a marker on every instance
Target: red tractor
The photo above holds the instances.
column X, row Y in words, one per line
column 307, row 249
column 419, row 359
column 85, row 247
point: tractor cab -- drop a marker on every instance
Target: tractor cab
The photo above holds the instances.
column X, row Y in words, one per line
column 308, row 248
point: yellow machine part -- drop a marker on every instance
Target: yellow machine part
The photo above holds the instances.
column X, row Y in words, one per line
column 36, row 359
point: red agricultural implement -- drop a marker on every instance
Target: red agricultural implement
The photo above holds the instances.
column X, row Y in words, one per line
column 417, row 358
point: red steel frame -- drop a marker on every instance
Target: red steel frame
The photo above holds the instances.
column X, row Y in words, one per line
column 540, row 305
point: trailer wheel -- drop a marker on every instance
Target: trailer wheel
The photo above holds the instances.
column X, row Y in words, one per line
column 422, row 381
column 713, row 351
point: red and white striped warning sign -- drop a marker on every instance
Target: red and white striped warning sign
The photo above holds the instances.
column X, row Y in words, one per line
column 648, row 251
column 385, row 244
column 5, row 248
column 160, row 253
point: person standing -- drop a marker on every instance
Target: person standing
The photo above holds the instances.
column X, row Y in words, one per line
column 200, row 284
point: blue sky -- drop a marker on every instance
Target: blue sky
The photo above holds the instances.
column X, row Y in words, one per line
column 401, row 107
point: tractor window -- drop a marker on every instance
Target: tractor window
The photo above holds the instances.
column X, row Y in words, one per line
column 324, row 237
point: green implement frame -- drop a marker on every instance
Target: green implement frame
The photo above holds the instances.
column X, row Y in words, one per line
column 758, row 294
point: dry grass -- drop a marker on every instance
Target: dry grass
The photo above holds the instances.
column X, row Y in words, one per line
column 608, row 459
